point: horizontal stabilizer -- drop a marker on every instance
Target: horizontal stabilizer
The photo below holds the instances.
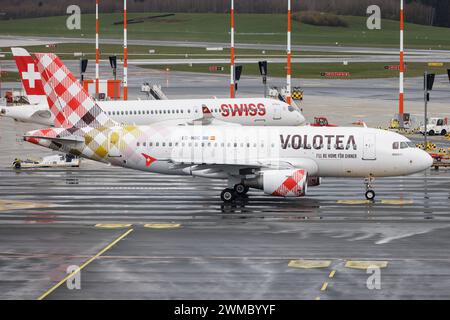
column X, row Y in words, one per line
column 70, row 139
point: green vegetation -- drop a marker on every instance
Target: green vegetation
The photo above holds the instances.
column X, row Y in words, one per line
column 251, row 28
column 9, row 76
column 66, row 51
column 319, row 19
column 315, row 70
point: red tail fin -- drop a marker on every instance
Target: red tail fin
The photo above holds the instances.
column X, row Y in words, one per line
column 30, row 76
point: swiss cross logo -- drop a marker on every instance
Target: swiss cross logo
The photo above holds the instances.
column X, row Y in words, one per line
column 31, row 75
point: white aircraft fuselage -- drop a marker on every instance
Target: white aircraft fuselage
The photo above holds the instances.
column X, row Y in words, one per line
column 242, row 111
column 322, row 151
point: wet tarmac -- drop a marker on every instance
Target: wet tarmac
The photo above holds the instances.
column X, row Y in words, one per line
column 185, row 244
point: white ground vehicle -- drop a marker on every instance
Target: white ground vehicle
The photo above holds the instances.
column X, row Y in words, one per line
column 57, row 160
column 436, row 126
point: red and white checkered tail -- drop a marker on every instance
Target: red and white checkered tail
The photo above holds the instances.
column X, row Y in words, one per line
column 67, row 99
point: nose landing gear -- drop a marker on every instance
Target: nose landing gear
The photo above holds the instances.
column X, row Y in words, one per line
column 370, row 193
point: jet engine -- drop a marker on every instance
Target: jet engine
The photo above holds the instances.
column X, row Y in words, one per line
column 280, row 183
column 313, row 181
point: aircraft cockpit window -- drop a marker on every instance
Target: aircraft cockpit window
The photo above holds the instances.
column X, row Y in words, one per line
column 291, row 108
column 395, row 145
column 411, row 145
column 403, row 145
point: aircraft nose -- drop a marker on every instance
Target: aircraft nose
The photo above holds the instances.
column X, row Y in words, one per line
column 425, row 161
column 301, row 118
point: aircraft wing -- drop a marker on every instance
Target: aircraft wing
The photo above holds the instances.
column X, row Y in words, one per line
column 241, row 166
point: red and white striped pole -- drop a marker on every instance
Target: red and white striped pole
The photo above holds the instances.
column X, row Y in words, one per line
column 125, row 52
column 289, row 58
column 402, row 66
column 97, row 69
column 232, row 86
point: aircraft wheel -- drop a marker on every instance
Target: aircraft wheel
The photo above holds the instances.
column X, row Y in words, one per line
column 228, row 195
column 370, row 195
column 241, row 189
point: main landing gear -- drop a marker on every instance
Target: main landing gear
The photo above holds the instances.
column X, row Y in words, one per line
column 370, row 193
column 229, row 195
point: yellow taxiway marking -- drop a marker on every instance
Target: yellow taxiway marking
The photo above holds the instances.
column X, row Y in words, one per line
column 365, row 264
column 6, row 205
column 162, row 225
column 435, row 64
column 309, row 264
column 324, row 286
column 332, row 273
column 112, row 225
column 397, row 202
column 354, row 202
column 84, row 265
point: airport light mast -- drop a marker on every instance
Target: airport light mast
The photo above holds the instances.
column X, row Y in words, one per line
column 125, row 52
column 97, row 69
column 402, row 69
column 232, row 85
column 289, row 58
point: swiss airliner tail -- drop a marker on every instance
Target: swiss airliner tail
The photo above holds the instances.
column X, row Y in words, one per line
column 29, row 75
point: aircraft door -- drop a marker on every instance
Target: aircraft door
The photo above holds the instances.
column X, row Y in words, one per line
column 198, row 144
column 230, row 146
column 277, row 112
column 114, row 140
column 369, row 147
column 242, row 149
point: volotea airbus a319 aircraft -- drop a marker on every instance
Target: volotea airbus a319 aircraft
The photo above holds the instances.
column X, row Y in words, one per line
column 248, row 111
column 281, row 161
